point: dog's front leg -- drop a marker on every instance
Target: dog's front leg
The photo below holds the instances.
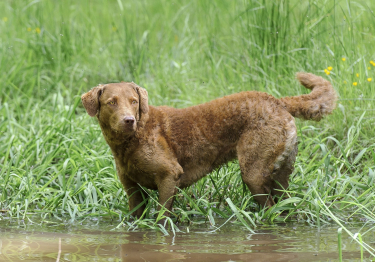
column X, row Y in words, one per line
column 167, row 188
column 135, row 196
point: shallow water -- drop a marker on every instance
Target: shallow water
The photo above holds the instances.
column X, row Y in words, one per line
column 102, row 242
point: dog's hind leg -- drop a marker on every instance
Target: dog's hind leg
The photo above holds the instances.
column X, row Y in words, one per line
column 254, row 157
column 284, row 164
column 257, row 178
column 283, row 167
column 267, row 155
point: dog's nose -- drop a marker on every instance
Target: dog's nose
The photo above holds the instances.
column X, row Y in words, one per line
column 129, row 120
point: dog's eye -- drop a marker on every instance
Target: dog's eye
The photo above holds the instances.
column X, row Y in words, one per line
column 111, row 102
column 134, row 102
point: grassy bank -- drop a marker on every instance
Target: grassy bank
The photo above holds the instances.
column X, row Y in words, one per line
column 55, row 163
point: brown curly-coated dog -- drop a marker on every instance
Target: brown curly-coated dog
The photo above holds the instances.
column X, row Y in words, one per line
column 164, row 148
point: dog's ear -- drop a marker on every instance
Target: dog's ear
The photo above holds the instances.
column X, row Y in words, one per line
column 90, row 100
column 143, row 103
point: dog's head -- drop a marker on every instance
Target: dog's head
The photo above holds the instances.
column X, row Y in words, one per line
column 122, row 107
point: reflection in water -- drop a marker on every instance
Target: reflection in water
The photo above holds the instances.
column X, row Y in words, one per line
column 276, row 243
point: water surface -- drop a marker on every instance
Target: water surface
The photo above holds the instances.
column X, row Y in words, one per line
column 103, row 242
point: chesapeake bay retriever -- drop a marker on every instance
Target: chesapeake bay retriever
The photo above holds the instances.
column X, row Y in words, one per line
column 164, row 148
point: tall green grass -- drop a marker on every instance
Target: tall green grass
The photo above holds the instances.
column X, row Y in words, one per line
column 55, row 163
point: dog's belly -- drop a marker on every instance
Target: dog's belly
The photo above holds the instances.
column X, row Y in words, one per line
column 201, row 165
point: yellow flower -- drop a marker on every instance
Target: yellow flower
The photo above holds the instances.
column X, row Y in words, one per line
column 357, row 75
column 344, row 82
column 29, row 29
column 355, row 83
column 343, row 59
column 369, row 79
column 369, row 68
column 5, row 19
column 326, row 71
column 372, row 62
column 37, row 30
column 330, row 68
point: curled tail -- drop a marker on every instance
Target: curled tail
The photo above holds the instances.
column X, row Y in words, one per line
column 320, row 102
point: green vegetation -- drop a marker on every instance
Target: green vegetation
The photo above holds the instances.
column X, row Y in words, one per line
column 54, row 161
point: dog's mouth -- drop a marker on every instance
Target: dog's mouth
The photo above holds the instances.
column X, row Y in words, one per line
column 129, row 128
column 127, row 125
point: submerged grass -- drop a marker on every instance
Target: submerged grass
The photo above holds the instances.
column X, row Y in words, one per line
column 55, row 163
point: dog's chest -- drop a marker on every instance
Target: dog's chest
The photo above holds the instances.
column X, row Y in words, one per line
column 145, row 167
column 139, row 170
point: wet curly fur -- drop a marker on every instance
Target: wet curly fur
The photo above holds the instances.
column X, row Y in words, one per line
column 164, row 148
